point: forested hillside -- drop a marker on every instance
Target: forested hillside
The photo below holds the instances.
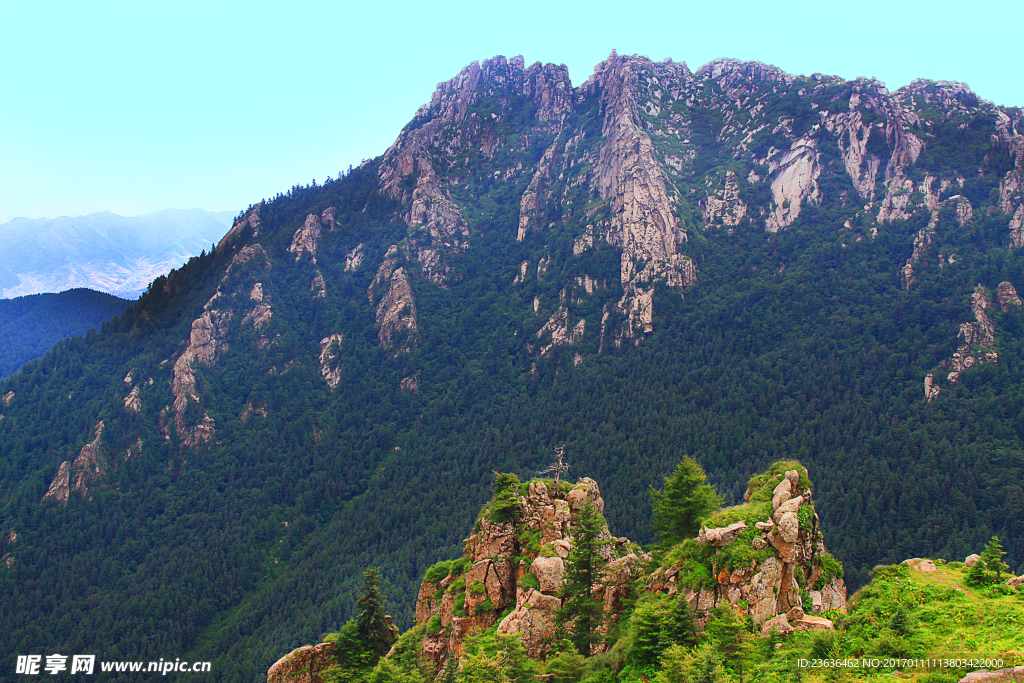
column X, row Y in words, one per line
column 735, row 263
column 30, row 325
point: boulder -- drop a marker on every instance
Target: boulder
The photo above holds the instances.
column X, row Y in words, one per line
column 761, row 594
column 789, row 527
column 809, row 623
column 499, row 584
column 493, row 540
column 778, row 623
column 764, row 526
column 786, row 549
column 998, row 676
column 1015, row 581
column 561, row 547
column 585, row 491
column 759, row 543
column 817, row 605
column 304, row 665
column 970, row 560
column 921, row 565
column 833, row 595
column 549, row 571
column 534, row 621
column 782, row 493
column 720, row 537
column 791, row 505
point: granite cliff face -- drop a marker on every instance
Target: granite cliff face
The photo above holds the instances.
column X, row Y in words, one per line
column 516, row 567
column 644, row 153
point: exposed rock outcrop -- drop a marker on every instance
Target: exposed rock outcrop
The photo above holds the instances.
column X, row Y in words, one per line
column 396, row 306
column 795, row 183
column 132, row 402
column 979, row 338
column 628, row 175
column 208, row 335
column 560, row 332
column 82, row 475
column 250, row 219
column 305, row 240
column 1007, row 296
column 499, row 554
column 329, row 352
column 304, row 665
column 790, row 563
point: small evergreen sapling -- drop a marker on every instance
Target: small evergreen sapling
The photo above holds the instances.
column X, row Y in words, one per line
column 685, row 500
column 987, row 569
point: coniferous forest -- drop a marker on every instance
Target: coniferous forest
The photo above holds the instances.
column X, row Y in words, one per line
column 30, row 325
column 332, row 387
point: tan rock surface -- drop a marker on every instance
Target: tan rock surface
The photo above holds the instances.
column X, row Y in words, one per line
column 306, row 238
column 549, row 572
column 303, row 665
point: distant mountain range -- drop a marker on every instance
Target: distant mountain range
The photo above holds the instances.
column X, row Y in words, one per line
column 102, row 251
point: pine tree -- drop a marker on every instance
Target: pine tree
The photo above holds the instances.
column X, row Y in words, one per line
column 986, row 570
column 581, row 616
column 372, row 622
column 679, row 628
column 686, row 498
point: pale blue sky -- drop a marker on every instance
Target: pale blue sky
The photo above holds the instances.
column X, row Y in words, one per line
column 138, row 106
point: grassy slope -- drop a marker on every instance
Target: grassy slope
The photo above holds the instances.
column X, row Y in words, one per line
column 947, row 619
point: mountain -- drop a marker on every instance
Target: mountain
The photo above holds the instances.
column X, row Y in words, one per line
column 733, row 263
column 102, row 251
column 30, row 325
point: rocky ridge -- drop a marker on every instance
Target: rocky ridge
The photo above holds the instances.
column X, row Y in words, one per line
column 641, row 176
column 771, row 562
column 82, row 474
column 511, row 574
column 516, row 567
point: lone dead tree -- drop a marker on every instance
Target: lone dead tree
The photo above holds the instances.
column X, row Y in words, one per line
column 558, row 467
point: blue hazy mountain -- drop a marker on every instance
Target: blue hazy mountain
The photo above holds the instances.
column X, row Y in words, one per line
column 102, row 251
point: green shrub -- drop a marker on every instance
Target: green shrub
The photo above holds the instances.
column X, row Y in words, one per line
column 565, row 667
column 459, row 566
column 437, row 572
column 762, row 485
column 434, row 625
column 831, row 568
column 696, row 575
column 529, row 581
column 457, row 586
column 828, row 645
column 485, row 606
column 805, row 517
column 477, row 588
column 504, row 506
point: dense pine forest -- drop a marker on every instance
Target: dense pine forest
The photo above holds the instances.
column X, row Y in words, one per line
column 31, row 325
column 333, row 386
